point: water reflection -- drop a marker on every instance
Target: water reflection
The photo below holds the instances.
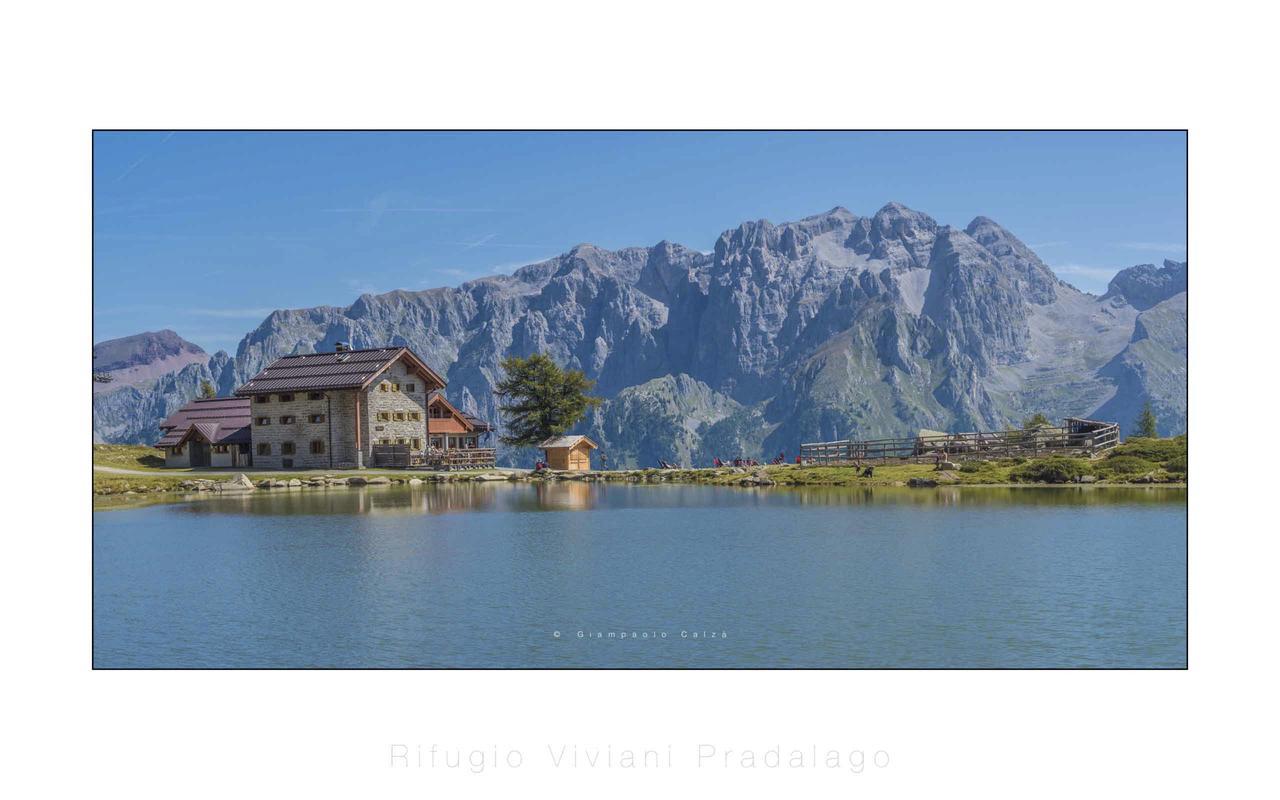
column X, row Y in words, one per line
column 447, row 498
column 390, row 576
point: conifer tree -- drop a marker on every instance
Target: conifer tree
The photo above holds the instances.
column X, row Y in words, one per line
column 539, row 400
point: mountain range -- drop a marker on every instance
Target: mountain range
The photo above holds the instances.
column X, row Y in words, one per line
column 834, row 326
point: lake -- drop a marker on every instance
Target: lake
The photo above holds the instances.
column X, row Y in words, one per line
column 606, row 575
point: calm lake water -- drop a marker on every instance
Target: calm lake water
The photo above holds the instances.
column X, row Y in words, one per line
column 522, row 575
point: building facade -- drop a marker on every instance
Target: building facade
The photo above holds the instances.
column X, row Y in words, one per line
column 340, row 410
column 451, row 429
column 330, row 410
column 208, row 433
column 571, row 453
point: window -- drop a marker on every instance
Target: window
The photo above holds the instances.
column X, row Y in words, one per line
column 437, row 442
column 264, row 420
column 262, row 398
column 264, row 448
column 400, row 440
column 317, row 417
column 395, row 387
column 384, row 416
column 398, row 416
column 416, row 416
column 384, row 387
column 288, row 419
column 219, row 448
column 286, row 398
column 417, row 444
column 384, row 441
column 286, row 448
column 317, row 446
column 436, row 413
column 177, row 451
column 315, row 395
column 411, row 387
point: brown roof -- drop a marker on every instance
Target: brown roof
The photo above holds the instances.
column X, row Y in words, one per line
column 556, row 442
column 222, row 420
column 349, row 369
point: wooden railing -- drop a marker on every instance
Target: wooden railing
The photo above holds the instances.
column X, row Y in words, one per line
column 462, row 458
column 399, row 456
column 1076, row 437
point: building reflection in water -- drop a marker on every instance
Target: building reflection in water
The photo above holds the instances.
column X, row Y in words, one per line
column 566, row 496
column 425, row 498
column 447, row 498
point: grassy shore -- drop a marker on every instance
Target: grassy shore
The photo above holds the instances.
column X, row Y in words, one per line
column 1136, row 462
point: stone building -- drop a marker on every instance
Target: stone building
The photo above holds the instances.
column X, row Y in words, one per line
column 329, row 410
column 208, row 433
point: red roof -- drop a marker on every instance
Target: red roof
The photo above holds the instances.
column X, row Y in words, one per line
column 347, row 369
column 222, row 420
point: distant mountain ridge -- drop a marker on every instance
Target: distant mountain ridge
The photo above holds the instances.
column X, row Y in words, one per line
column 142, row 358
column 833, row 326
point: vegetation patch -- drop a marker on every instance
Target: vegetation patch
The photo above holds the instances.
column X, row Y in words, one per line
column 1057, row 469
column 1155, row 450
column 127, row 456
column 1127, row 465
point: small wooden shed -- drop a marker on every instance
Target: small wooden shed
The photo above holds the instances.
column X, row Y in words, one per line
column 568, row 452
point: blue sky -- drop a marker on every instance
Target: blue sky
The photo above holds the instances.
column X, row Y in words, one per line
column 206, row 233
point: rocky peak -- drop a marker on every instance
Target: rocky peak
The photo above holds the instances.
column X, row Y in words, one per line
column 140, row 359
column 140, row 349
column 896, row 234
column 976, row 301
column 1037, row 281
column 1145, row 285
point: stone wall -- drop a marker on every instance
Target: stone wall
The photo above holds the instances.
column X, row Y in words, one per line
column 336, row 430
column 397, row 400
column 172, row 458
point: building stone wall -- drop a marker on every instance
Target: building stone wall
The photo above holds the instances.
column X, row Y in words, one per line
column 172, row 458
column 337, row 430
column 398, row 400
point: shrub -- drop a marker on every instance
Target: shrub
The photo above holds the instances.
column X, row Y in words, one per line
column 1057, row 469
column 1178, row 464
column 1127, row 465
column 1010, row 462
column 974, row 466
column 1156, row 450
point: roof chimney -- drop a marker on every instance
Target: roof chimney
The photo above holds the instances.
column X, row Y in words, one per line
column 341, row 347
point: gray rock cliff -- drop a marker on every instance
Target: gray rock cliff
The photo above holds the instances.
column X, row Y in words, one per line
column 833, row 326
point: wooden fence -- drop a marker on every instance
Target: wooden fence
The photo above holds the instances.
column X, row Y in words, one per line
column 463, row 458
column 1076, row 437
column 399, row 456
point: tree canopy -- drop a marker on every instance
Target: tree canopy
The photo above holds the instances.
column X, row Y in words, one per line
column 1036, row 420
column 538, row 399
column 1144, row 427
column 207, row 391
